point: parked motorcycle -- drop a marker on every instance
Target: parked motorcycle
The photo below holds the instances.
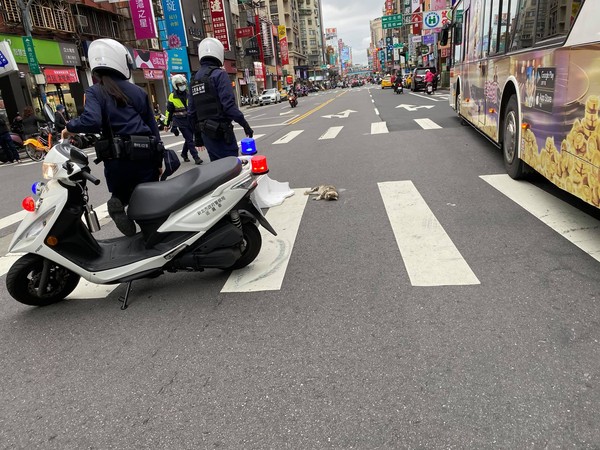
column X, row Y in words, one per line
column 203, row 218
column 293, row 100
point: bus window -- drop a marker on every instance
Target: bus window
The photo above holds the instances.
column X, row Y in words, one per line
column 503, row 35
column 494, row 27
column 554, row 20
column 522, row 22
column 485, row 30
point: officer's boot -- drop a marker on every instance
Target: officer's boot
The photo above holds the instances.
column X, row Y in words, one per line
column 185, row 158
column 198, row 160
column 117, row 213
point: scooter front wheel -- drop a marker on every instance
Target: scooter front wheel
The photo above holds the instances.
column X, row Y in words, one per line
column 251, row 246
column 26, row 276
column 37, row 154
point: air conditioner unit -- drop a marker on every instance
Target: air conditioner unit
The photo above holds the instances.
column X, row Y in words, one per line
column 81, row 20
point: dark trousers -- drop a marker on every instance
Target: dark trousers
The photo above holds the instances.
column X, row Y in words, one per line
column 122, row 176
column 221, row 148
column 9, row 147
column 188, row 135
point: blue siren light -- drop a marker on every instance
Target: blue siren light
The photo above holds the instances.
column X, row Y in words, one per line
column 248, row 146
column 37, row 187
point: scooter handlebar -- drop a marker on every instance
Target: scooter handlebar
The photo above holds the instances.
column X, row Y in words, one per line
column 91, row 178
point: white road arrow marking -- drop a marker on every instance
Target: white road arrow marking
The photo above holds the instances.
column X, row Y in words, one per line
column 414, row 107
column 340, row 115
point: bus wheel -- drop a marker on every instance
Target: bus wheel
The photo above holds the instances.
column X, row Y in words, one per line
column 510, row 141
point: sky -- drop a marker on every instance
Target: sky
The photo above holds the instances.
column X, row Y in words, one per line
column 351, row 18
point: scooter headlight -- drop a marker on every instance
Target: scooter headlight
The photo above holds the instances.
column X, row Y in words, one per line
column 49, row 170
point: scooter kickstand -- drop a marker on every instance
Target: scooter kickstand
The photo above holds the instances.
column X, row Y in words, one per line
column 124, row 299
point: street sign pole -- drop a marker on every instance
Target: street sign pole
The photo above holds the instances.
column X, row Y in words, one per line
column 30, row 50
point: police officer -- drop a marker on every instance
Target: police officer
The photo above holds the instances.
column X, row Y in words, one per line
column 212, row 105
column 177, row 113
column 130, row 145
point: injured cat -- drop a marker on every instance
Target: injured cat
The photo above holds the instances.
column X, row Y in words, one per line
column 323, row 192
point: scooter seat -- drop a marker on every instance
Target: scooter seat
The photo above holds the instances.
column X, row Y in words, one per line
column 155, row 200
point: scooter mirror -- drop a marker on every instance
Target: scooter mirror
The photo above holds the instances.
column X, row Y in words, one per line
column 78, row 156
column 49, row 113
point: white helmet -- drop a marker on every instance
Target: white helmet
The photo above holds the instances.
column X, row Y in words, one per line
column 111, row 55
column 179, row 82
column 211, row 47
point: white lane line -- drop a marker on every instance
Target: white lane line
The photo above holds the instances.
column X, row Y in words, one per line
column 568, row 221
column 266, row 273
column 174, row 144
column 427, row 124
column 376, row 111
column 331, row 133
column 379, row 128
column 429, row 255
column 288, row 137
column 12, row 219
column 256, row 138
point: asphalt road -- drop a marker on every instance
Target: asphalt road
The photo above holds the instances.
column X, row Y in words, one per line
column 352, row 350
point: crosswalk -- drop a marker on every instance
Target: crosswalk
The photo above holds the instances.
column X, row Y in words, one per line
column 427, row 250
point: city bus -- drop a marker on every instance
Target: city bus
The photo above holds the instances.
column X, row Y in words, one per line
column 526, row 74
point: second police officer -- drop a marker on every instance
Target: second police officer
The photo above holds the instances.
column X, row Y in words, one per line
column 212, row 106
column 177, row 115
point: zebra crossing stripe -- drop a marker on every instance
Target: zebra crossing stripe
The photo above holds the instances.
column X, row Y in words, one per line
column 568, row 221
column 379, row 128
column 288, row 137
column 331, row 133
column 427, row 124
column 267, row 271
column 429, row 255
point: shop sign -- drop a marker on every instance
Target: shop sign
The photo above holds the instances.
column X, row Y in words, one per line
column 217, row 14
column 8, row 64
column 178, row 60
column 142, row 16
column 145, row 59
column 153, row 74
column 175, row 27
column 61, row 76
column 435, row 19
column 47, row 52
column 70, row 54
column 252, row 51
column 244, row 32
column 259, row 74
column 283, row 45
column 34, row 66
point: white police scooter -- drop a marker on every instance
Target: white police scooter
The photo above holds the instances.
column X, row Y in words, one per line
column 203, row 218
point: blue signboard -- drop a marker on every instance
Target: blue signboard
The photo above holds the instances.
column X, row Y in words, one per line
column 178, row 61
column 175, row 28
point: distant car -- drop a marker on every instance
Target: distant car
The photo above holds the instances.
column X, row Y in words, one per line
column 386, row 82
column 418, row 79
column 269, row 96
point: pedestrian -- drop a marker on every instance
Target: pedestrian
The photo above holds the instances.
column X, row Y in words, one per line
column 212, row 105
column 11, row 154
column 60, row 120
column 17, row 124
column 177, row 114
column 31, row 122
column 130, row 146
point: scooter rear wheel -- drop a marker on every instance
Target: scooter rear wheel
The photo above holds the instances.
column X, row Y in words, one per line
column 252, row 245
column 34, row 153
column 23, row 281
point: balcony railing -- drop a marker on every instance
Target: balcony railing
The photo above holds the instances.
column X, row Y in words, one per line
column 45, row 15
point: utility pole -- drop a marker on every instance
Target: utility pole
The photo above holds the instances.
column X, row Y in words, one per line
column 30, row 50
